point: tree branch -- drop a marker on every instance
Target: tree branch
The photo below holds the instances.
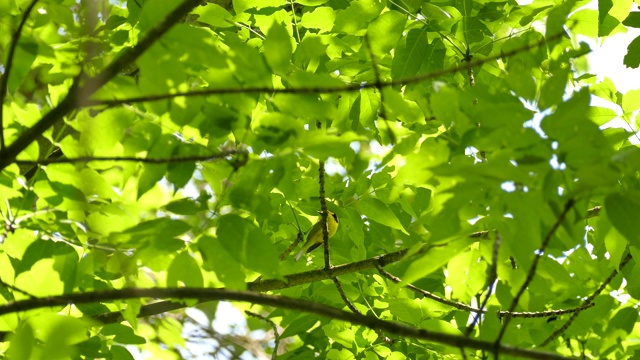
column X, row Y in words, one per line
column 275, row 301
column 534, row 266
column 85, row 159
column 78, row 95
column 4, row 79
column 321, row 89
column 587, row 302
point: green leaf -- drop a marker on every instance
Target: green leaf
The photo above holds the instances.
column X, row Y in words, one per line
column 184, row 269
column 434, row 259
column 622, row 210
column 241, row 5
column 40, row 280
column 384, row 32
column 278, row 48
column 410, row 53
column 321, row 18
column 557, row 18
column 154, row 11
column 378, row 211
column 340, row 332
column 632, row 58
column 367, row 106
column 553, row 89
column 322, row 145
column 24, row 56
column 21, row 343
column 312, row 2
column 214, row 15
column 601, row 115
column 151, row 230
column 633, row 20
column 216, row 258
column 624, row 319
column 119, row 352
column 586, row 23
column 631, row 101
column 247, row 245
column 123, row 334
column 355, row 19
column 185, row 207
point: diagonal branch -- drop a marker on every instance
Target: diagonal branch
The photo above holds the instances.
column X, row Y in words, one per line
column 534, row 266
column 275, row 301
column 79, row 93
column 587, row 302
column 4, row 79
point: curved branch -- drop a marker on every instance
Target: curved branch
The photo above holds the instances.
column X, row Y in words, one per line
column 275, row 301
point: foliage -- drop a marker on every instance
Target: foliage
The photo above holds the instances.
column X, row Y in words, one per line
column 168, row 150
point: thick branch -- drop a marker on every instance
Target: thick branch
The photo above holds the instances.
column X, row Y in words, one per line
column 275, row 301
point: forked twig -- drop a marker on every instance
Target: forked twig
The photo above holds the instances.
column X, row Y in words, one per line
column 588, row 302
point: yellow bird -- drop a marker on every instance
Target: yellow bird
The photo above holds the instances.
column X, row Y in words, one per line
column 315, row 238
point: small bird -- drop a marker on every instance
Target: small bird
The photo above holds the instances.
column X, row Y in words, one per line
column 315, row 238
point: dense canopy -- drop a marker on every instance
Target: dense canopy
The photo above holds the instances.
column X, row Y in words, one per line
column 161, row 158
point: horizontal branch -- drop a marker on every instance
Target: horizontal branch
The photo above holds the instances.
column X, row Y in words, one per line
column 321, row 89
column 84, row 159
column 274, row 301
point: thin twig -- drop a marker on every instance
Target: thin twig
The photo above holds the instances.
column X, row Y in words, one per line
column 427, row 294
column 465, row 307
column 493, row 276
column 532, row 270
column 325, row 213
column 380, row 87
column 16, row 289
column 587, row 302
column 4, row 79
column 344, row 296
column 320, row 89
column 276, row 334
